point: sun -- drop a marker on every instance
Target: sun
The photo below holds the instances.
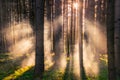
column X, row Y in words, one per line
column 76, row 5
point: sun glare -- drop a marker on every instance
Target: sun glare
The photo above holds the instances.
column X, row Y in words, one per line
column 75, row 5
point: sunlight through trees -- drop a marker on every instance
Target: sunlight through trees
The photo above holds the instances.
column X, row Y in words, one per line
column 59, row 39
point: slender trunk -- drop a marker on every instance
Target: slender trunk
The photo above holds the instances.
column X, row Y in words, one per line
column 110, row 40
column 80, row 35
column 117, row 37
column 39, row 62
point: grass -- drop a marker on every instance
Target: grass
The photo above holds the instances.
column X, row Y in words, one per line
column 103, row 73
column 28, row 75
column 10, row 70
column 53, row 75
column 18, row 74
column 6, row 67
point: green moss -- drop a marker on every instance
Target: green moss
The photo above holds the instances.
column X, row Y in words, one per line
column 17, row 73
column 11, row 71
column 53, row 75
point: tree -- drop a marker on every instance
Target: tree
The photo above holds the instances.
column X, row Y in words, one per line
column 50, row 16
column 82, row 71
column 39, row 62
column 57, row 33
column 117, row 37
column 110, row 40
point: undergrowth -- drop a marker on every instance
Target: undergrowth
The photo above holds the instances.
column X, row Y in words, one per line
column 9, row 70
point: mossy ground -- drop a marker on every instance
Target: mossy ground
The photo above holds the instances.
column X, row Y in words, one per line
column 10, row 70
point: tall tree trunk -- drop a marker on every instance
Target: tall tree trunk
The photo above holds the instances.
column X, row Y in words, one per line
column 49, row 8
column 110, row 40
column 57, row 33
column 81, row 18
column 39, row 62
column 117, row 37
column 0, row 26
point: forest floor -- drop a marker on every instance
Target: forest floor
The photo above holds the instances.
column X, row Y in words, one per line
column 11, row 70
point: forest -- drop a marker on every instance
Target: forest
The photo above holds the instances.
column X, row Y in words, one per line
column 59, row 39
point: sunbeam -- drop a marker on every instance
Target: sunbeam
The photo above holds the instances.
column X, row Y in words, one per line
column 21, row 42
column 63, row 39
column 94, row 45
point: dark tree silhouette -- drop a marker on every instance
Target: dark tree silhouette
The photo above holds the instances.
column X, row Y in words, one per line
column 110, row 40
column 117, row 37
column 39, row 61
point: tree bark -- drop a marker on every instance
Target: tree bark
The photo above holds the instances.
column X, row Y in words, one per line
column 110, row 40
column 39, row 61
column 117, row 37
